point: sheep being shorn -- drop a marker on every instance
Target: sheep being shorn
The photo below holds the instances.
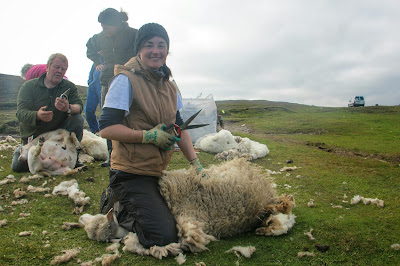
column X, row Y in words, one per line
column 224, row 200
column 53, row 152
column 232, row 198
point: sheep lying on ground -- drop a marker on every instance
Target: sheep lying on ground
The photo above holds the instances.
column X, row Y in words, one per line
column 227, row 146
column 53, row 153
column 232, row 198
column 94, row 146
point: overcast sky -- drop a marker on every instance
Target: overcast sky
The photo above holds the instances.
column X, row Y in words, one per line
column 312, row 52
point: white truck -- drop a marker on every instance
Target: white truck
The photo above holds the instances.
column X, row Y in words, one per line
column 356, row 101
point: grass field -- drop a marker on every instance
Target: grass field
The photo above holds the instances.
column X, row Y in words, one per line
column 339, row 151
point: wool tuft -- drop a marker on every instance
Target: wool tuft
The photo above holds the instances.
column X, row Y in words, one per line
column 244, row 251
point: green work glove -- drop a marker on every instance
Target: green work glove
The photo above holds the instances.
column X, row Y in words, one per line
column 159, row 137
column 197, row 165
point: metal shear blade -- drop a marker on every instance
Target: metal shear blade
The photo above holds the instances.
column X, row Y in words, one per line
column 184, row 126
column 65, row 94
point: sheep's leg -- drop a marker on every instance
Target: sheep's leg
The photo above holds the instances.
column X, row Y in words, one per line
column 266, row 227
column 35, row 158
column 75, row 141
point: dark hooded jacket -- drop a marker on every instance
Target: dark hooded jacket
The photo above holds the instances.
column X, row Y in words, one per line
column 116, row 50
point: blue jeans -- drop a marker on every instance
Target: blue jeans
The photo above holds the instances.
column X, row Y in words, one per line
column 93, row 99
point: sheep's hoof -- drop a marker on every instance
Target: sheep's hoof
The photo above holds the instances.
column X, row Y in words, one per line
column 263, row 231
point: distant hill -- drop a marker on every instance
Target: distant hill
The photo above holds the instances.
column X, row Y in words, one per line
column 9, row 88
column 262, row 105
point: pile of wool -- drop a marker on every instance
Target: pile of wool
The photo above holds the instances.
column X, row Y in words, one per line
column 25, row 179
column 5, row 145
column 3, row 222
column 8, row 144
column 244, row 251
column 67, row 256
column 33, row 189
column 8, row 179
column 71, row 188
column 94, row 146
column 224, row 200
column 367, row 201
column 227, row 146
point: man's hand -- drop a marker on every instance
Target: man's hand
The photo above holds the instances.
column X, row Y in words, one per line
column 159, row 137
column 99, row 67
column 43, row 115
column 61, row 104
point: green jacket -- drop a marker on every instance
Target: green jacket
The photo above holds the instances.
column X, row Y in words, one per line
column 114, row 51
column 32, row 96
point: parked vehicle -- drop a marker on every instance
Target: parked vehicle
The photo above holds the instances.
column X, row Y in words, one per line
column 356, row 101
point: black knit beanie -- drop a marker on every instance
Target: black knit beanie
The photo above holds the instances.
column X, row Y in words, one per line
column 148, row 31
column 110, row 17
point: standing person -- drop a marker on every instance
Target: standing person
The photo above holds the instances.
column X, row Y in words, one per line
column 140, row 102
column 40, row 108
column 93, row 99
column 115, row 42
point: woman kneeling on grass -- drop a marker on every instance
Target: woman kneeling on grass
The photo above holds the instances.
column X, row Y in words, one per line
column 141, row 100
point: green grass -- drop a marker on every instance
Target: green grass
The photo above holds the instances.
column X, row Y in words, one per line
column 357, row 234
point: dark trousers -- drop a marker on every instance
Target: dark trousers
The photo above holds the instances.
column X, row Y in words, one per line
column 142, row 209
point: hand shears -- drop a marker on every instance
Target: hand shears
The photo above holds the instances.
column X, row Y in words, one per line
column 184, row 126
column 65, row 94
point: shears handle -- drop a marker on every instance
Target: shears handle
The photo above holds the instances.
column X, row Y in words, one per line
column 176, row 128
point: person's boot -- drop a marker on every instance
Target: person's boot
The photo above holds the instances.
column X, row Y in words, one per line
column 107, row 200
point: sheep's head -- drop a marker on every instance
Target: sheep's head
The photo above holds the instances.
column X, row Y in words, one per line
column 100, row 227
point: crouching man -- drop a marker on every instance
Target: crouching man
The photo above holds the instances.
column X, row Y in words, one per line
column 40, row 108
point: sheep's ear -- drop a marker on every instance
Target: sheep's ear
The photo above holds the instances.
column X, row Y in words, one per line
column 110, row 215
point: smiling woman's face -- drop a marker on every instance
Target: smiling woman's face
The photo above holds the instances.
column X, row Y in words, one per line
column 154, row 52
